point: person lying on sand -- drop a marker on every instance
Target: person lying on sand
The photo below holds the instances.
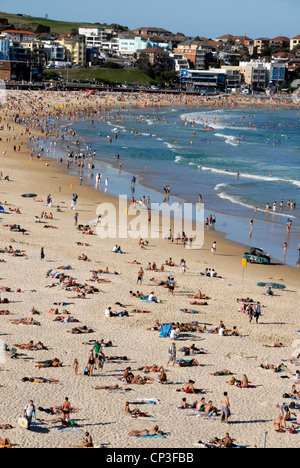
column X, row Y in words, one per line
column 225, row 442
column 131, row 379
column 135, row 412
column 145, row 432
column 80, row 330
column 153, row 368
column 31, row 346
column 188, row 363
column 40, row 380
column 5, row 312
column 107, row 387
column 223, row 372
column 192, row 350
column 50, row 363
column 5, row 427
column 199, row 295
column 84, row 258
column 271, row 367
column 25, row 321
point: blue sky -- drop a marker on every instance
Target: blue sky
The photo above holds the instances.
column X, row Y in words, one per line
column 256, row 18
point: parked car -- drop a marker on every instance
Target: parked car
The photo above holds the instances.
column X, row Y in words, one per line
column 257, row 255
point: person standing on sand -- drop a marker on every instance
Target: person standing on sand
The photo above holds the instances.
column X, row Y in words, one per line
column 66, row 407
column 172, row 354
column 225, row 410
column 284, row 251
column 42, row 253
column 29, row 412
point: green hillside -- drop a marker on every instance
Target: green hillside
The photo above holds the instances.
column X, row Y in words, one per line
column 104, row 75
column 30, row 23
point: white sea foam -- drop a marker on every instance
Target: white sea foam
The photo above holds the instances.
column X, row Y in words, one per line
column 251, row 176
column 238, row 201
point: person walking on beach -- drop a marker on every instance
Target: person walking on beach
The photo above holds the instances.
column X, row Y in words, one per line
column 29, row 413
column 284, row 251
column 140, row 276
column 42, row 253
column 214, row 248
column 257, row 312
column 172, row 354
column 76, row 219
column 225, row 408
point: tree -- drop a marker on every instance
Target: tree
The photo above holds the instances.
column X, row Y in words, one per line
column 41, row 28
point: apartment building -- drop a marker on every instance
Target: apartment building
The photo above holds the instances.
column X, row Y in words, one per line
column 280, row 42
column 4, row 49
column 94, row 37
column 151, row 31
column 54, row 52
column 155, row 55
column 75, row 49
column 260, row 45
column 294, row 42
column 19, row 36
column 5, row 71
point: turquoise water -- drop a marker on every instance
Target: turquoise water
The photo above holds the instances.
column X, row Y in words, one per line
column 238, row 160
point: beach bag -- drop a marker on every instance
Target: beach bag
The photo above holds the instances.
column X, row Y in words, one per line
column 86, row 371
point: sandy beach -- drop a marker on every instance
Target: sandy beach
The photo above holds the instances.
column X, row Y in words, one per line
column 101, row 412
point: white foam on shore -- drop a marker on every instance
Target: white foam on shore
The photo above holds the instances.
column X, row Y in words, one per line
column 239, row 201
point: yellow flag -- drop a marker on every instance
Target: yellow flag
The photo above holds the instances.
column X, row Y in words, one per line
column 244, row 262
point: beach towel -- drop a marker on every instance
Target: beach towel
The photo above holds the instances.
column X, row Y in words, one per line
column 156, row 436
column 165, row 330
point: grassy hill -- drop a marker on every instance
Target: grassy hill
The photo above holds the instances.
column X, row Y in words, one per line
column 104, row 75
column 30, row 23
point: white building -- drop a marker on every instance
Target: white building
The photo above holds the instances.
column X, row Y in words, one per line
column 94, row 37
column 55, row 52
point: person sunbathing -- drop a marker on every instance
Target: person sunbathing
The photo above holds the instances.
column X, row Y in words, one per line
column 223, row 372
column 5, row 426
column 25, row 321
column 138, row 379
column 199, row 295
column 50, row 363
column 153, row 368
column 63, row 319
column 198, row 303
column 188, row 363
column 84, row 258
column 5, row 443
column 5, row 312
column 278, row 424
column 57, row 312
column 31, row 346
column 116, row 358
column 294, row 392
column 145, row 432
column 226, row 442
column 80, row 330
column 271, row 367
column 135, row 412
column 107, row 387
column 40, row 380
column 192, row 350
column 87, row 442
column 188, row 388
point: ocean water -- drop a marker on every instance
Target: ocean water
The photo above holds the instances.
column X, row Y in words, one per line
column 237, row 159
